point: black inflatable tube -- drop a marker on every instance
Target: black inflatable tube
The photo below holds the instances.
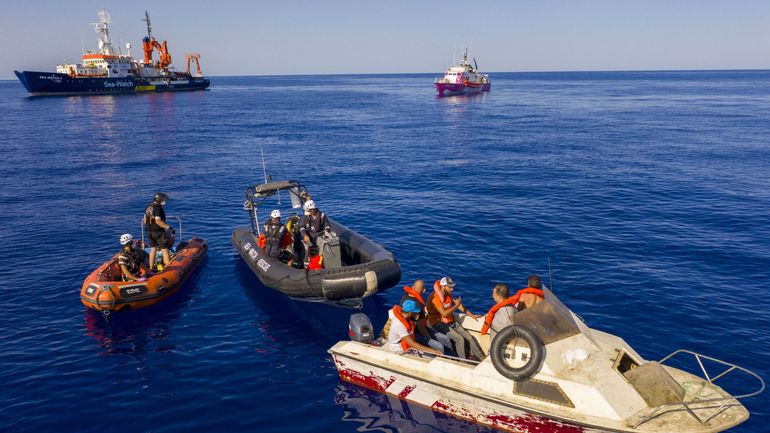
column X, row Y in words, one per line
column 377, row 268
column 497, row 352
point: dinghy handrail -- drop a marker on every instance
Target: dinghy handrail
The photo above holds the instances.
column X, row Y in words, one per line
column 718, row 404
column 169, row 217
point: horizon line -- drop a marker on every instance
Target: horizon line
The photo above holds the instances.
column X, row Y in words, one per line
column 489, row 72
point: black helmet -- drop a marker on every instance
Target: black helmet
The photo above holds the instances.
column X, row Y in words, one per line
column 160, row 197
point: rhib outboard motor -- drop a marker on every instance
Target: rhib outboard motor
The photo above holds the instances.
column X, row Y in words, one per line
column 360, row 328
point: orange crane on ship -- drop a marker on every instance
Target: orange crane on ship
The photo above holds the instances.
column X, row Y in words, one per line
column 149, row 44
column 194, row 57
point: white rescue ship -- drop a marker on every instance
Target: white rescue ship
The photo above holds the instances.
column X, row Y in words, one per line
column 549, row 372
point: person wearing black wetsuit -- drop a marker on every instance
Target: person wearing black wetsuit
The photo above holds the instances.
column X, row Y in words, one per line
column 156, row 226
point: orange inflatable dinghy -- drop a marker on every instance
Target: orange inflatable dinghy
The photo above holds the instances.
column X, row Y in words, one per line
column 105, row 291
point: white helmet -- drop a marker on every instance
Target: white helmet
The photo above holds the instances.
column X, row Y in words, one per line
column 309, row 205
column 126, row 238
column 275, row 214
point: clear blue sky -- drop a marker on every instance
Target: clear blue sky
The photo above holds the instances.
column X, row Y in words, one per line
column 329, row 36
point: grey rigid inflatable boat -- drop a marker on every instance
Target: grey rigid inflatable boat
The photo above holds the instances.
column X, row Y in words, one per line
column 355, row 267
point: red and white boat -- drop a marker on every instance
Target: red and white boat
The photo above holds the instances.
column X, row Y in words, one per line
column 549, row 372
column 461, row 79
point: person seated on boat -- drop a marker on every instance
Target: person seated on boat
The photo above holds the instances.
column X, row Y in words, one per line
column 273, row 230
column 424, row 334
column 501, row 315
column 530, row 295
column 130, row 260
column 312, row 224
column 401, row 332
column 441, row 307
column 155, row 223
column 276, row 239
column 316, row 262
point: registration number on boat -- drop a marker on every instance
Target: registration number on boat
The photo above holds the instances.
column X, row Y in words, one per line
column 263, row 264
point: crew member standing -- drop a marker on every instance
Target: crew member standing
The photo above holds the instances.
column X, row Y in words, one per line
column 312, row 223
column 155, row 224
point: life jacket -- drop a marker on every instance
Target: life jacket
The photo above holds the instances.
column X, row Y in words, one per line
column 287, row 239
column 436, row 299
column 150, row 214
column 273, row 232
column 513, row 300
column 398, row 313
column 129, row 261
column 292, row 223
column 314, row 224
column 417, row 296
column 262, row 241
column 316, row 263
column 411, row 292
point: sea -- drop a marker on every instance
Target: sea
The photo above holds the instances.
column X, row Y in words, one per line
column 641, row 198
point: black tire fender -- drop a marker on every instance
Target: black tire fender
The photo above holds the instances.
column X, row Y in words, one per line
column 536, row 347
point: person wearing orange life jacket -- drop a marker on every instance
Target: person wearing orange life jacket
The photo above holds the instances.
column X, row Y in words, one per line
column 423, row 333
column 441, row 307
column 501, row 315
column 401, row 333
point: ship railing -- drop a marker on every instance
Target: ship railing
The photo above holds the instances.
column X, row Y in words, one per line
column 707, row 407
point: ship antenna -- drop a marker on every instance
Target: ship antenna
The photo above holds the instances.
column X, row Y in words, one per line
column 149, row 24
column 550, row 277
column 264, row 170
column 82, row 44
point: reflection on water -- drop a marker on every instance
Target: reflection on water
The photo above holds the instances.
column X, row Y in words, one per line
column 162, row 115
column 133, row 333
column 456, row 109
column 385, row 413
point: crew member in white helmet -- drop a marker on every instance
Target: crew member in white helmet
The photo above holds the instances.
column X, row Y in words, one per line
column 312, row 223
column 274, row 234
column 131, row 260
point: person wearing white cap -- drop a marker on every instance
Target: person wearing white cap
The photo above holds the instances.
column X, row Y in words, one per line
column 274, row 233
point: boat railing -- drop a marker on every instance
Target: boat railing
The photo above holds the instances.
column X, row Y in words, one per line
column 716, row 405
column 424, row 354
column 179, row 220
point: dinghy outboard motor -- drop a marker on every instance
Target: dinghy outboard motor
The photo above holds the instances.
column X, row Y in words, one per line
column 360, row 328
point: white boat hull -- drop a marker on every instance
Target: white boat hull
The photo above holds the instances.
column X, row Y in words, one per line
column 453, row 402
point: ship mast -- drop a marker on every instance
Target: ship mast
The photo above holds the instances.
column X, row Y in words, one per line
column 149, row 24
column 102, row 28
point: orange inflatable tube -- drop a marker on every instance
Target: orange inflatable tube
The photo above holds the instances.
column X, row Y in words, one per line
column 105, row 291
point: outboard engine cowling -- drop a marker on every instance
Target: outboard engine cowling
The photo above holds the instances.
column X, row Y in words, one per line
column 360, row 328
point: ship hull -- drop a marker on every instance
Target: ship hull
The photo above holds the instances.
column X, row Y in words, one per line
column 55, row 84
column 450, row 89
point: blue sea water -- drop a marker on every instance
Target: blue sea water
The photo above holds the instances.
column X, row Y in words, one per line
column 647, row 191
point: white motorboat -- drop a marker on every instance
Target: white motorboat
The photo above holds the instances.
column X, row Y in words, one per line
column 550, row 372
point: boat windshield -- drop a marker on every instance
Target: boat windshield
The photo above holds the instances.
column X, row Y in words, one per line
column 550, row 319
